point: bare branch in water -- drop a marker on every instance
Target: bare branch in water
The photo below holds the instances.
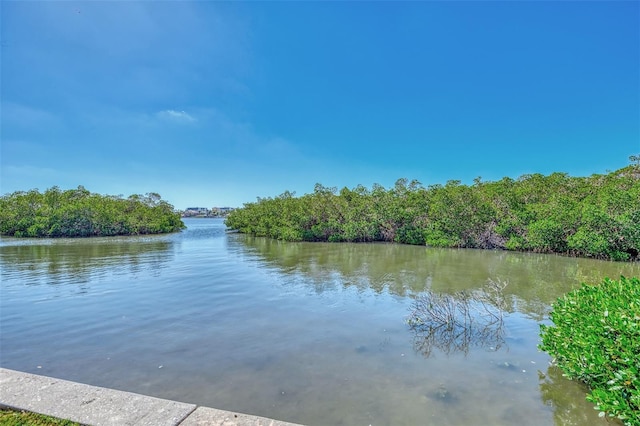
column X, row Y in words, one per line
column 456, row 322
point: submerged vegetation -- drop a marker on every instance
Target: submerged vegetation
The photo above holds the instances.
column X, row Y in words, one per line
column 594, row 216
column 596, row 339
column 80, row 213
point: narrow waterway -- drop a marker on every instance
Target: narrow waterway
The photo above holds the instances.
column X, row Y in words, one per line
column 311, row 333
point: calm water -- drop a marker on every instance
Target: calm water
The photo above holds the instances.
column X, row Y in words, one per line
column 306, row 332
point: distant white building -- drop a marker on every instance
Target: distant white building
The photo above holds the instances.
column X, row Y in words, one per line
column 220, row 211
column 196, row 211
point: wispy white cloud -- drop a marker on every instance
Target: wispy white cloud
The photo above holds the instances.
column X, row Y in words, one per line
column 176, row 116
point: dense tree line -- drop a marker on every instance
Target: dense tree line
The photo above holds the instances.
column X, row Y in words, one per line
column 80, row 213
column 596, row 216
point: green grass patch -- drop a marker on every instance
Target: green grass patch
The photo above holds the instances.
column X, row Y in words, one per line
column 595, row 338
column 26, row 418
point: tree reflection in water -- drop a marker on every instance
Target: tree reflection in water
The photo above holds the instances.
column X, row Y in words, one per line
column 568, row 400
column 457, row 322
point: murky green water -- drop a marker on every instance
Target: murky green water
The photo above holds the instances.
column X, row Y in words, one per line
column 310, row 333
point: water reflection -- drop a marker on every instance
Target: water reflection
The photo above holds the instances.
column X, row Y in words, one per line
column 570, row 408
column 535, row 280
column 35, row 262
column 455, row 323
column 311, row 333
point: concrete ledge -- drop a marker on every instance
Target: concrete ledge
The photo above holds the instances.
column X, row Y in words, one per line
column 96, row 406
column 204, row 416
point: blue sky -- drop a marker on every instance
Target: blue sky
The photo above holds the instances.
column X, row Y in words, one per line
column 217, row 103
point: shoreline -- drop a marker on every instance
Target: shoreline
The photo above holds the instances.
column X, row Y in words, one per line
column 97, row 406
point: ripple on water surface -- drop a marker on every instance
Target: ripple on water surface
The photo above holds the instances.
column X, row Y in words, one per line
column 310, row 333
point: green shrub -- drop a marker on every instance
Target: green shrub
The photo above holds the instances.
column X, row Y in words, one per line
column 410, row 234
column 515, row 243
column 593, row 216
column 596, row 339
column 79, row 213
column 546, row 235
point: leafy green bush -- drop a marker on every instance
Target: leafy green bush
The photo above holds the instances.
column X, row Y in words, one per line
column 596, row 339
column 546, row 235
column 79, row 213
column 594, row 216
